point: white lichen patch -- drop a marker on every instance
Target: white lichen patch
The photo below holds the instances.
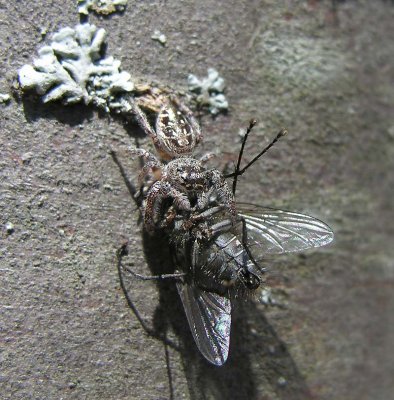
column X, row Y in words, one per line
column 4, row 98
column 159, row 37
column 208, row 91
column 104, row 7
column 72, row 69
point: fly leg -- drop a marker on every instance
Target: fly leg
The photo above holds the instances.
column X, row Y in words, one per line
column 208, row 213
column 162, row 277
column 123, row 251
column 226, row 225
column 244, row 241
column 151, row 331
column 208, row 232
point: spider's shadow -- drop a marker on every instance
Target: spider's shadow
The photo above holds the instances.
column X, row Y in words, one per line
column 259, row 363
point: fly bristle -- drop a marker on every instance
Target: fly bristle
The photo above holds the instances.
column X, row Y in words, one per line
column 240, row 291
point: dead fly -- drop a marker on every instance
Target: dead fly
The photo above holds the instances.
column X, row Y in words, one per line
column 216, row 244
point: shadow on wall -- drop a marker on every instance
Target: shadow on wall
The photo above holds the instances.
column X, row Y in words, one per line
column 72, row 115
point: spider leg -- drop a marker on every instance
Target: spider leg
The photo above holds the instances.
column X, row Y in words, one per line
column 148, row 156
column 145, row 171
column 206, row 157
column 146, row 126
column 151, row 162
column 158, row 192
column 204, row 197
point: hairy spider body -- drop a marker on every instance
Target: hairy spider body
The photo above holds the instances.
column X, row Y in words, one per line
column 186, row 182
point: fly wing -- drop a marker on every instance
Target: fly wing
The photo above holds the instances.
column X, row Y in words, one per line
column 277, row 231
column 209, row 317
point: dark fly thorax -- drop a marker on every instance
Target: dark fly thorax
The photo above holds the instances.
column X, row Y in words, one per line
column 216, row 262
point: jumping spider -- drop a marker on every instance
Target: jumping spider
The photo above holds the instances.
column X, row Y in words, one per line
column 182, row 179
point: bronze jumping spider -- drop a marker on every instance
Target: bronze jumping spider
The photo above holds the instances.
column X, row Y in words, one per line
column 184, row 179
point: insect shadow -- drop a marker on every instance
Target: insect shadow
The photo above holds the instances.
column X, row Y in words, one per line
column 259, row 363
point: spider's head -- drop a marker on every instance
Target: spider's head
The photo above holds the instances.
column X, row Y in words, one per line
column 175, row 132
column 186, row 173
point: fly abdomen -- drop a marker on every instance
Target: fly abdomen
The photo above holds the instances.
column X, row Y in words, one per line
column 231, row 263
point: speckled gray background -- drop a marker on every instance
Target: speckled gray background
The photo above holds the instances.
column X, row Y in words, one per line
column 324, row 70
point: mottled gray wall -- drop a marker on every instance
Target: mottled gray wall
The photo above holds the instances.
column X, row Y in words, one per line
column 321, row 69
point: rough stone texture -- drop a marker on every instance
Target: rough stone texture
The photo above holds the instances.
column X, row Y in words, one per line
column 325, row 71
